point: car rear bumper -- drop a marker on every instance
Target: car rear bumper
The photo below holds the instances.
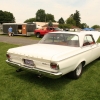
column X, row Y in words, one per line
column 36, row 70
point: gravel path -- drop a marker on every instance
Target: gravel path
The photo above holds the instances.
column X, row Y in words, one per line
column 17, row 40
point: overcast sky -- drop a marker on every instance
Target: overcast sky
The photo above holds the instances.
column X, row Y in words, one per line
column 25, row 9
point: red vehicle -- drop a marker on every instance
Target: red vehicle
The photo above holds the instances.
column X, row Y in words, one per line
column 41, row 32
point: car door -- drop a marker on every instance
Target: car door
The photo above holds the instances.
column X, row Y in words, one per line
column 93, row 46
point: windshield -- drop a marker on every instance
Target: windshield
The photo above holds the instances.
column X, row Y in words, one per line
column 61, row 39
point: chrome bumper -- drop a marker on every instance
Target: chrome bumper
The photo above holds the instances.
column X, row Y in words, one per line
column 35, row 70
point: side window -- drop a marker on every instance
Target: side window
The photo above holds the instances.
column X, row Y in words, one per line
column 88, row 40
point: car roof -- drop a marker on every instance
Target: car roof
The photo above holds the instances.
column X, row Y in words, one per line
column 77, row 33
column 82, row 34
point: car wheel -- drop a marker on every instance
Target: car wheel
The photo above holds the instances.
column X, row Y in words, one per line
column 77, row 72
column 38, row 35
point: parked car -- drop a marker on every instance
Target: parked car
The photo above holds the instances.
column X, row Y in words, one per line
column 41, row 32
column 57, row 54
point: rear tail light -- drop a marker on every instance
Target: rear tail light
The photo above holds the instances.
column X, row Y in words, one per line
column 54, row 66
column 8, row 56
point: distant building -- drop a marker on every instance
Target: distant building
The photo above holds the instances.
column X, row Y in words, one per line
column 45, row 24
column 97, row 29
column 75, row 28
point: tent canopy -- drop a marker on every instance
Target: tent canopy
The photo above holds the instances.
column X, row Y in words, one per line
column 88, row 29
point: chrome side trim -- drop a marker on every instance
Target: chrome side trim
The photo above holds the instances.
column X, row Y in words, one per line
column 35, row 70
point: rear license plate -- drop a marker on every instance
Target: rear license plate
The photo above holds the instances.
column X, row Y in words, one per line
column 28, row 62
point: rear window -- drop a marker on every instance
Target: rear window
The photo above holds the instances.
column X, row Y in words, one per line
column 61, row 39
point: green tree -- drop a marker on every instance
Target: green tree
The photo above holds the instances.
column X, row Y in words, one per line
column 77, row 18
column 95, row 26
column 84, row 25
column 6, row 17
column 49, row 17
column 71, row 21
column 40, row 15
column 64, row 26
column 61, row 21
column 30, row 20
column 1, row 16
column 50, row 24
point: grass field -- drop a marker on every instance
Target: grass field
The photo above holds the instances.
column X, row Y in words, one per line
column 27, row 86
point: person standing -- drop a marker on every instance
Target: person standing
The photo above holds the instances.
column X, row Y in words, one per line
column 10, row 31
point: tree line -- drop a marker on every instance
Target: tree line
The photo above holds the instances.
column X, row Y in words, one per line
column 6, row 17
column 42, row 16
column 72, row 20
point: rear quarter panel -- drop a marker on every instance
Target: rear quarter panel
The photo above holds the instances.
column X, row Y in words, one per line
column 69, row 62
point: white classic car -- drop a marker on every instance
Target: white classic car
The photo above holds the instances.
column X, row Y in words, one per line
column 57, row 54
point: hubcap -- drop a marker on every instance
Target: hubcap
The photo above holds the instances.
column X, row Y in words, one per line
column 79, row 70
column 38, row 35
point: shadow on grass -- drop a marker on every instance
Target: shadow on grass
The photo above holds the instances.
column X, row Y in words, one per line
column 48, row 83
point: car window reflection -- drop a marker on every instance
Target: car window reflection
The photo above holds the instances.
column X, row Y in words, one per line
column 61, row 39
